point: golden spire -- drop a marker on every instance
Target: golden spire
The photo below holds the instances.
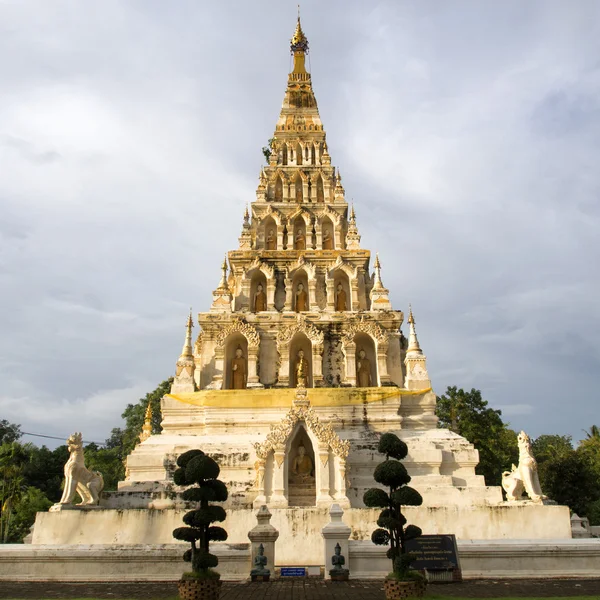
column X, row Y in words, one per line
column 186, row 352
column 223, row 283
column 299, row 48
column 147, row 426
column 378, row 284
column 413, row 342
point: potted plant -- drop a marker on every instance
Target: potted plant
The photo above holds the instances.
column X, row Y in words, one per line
column 199, row 470
column 402, row 582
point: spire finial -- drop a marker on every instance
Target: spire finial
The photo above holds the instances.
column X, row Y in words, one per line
column 377, row 284
column 352, row 214
column 299, row 46
column 186, row 351
column 223, row 283
column 413, row 342
column 147, row 426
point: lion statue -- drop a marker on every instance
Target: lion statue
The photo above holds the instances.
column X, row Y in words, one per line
column 88, row 484
column 525, row 476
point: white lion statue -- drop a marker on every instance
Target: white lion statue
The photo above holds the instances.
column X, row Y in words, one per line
column 88, row 484
column 525, row 476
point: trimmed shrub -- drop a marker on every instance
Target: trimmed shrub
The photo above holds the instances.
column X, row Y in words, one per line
column 199, row 470
column 393, row 529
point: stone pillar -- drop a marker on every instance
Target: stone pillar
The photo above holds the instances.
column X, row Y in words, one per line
column 312, row 294
column 260, row 484
column 271, row 286
column 322, row 459
column 253, row 381
column 305, row 190
column 289, row 291
column 309, row 237
column 340, row 494
column 317, row 364
column 330, row 285
column 278, row 498
column 354, row 292
column 279, row 237
column 338, row 243
column 264, row 533
column 319, row 235
column 244, row 298
column 382, row 372
column 283, row 379
column 335, row 532
column 290, row 240
column 217, row 382
column 349, row 350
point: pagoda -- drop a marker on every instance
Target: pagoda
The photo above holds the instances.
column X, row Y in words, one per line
column 299, row 366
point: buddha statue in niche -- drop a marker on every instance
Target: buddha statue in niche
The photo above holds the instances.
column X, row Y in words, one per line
column 260, row 299
column 302, row 467
column 340, row 299
column 363, row 370
column 239, row 371
column 300, row 240
column 327, row 240
column 301, row 298
column 271, row 240
column 301, row 369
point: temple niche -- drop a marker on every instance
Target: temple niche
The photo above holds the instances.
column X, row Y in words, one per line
column 301, row 470
column 300, row 361
column 236, row 361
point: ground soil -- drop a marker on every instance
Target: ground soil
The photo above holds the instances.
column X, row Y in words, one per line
column 302, row 589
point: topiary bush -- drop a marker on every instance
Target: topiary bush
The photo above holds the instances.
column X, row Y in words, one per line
column 392, row 523
column 201, row 471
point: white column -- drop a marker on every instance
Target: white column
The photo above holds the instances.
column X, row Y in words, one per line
column 323, row 497
column 350, row 362
column 340, row 494
column 278, row 498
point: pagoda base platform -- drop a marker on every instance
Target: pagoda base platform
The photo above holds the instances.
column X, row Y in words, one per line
column 300, row 527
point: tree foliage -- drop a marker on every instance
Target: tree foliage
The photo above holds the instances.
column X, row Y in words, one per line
column 199, row 470
column 9, row 432
column 468, row 415
column 392, row 474
column 567, row 475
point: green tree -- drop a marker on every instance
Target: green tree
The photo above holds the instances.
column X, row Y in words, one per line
column 468, row 415
column 13, row 457
column 32, row 501
column 126, row 439
column 9, row 432
column 106, row 460
column 392, row 523
column 45, row 470
column 199, row 470
column 566, row 475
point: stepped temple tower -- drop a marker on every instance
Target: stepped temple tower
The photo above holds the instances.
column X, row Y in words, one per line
column 301, row 350
column 298, row 366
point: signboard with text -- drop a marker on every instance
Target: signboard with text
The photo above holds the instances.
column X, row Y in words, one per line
column 436, row 553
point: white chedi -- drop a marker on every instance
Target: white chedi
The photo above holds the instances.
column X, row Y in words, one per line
column 525, row 476
column 78, row 478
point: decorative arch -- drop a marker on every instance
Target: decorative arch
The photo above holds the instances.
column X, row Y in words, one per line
column 380, row 339
column 252, row 337
column 330, row 467
column 259, row 272
column 344, row 273
column 284, row 340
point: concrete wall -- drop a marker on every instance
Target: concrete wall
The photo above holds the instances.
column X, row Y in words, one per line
column 480, row 559
column 116, row 562
column 301, row 527
column 496, row 559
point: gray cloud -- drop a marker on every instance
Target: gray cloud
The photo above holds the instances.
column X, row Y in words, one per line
column 130, row 136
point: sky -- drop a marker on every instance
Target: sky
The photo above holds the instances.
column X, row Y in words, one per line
column 466, row 134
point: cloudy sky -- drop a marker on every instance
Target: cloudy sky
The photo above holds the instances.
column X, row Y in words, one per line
column 130, row 134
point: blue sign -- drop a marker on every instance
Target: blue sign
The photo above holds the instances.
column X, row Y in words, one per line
column 293, row 572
